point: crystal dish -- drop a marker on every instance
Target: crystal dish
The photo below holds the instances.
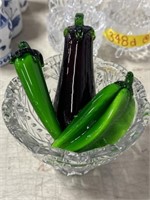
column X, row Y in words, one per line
column 129, row 20
column 24, row 125
column 72, row 3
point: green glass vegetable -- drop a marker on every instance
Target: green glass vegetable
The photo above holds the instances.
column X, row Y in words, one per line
column 119, row 128
column 101, row 126
column 28, row 64
column 76, row 85
column 106, row 116
column 88, row 115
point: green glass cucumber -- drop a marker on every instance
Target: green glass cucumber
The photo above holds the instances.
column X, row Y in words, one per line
column 96, row 132
column 88, row 115
column 120, row 127
column 92, row 112
column 77, row 135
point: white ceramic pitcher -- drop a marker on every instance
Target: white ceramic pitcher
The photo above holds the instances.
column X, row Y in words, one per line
column 5, row 35
column 12, row 8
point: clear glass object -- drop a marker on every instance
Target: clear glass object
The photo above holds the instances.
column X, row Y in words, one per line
column 131, row 22
column 62, row 17
column 72, row 3
column 24, row 125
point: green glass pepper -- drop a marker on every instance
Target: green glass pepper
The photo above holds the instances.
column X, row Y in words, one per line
column 28, row 64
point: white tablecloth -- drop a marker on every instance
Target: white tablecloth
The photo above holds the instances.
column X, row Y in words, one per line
column 23, row 177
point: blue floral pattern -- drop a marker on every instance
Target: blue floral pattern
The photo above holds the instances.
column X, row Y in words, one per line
column 7, row 2
column 5, row 34
column 10, row 26
column 24, row 3
column 5, row 60
column 3, row 47
column 3, row 21
column 12, row 9
column 16, row 21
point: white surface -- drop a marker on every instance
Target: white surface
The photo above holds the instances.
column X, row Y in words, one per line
column 22, row 177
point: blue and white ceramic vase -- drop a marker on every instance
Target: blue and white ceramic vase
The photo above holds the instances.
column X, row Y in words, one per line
column 12, row 8
column 5, row 36
column 23, row 5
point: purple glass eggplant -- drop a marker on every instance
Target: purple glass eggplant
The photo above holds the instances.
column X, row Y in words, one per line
column 76, row 85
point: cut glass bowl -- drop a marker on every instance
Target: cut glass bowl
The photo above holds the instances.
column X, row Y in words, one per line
column 24, row 125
